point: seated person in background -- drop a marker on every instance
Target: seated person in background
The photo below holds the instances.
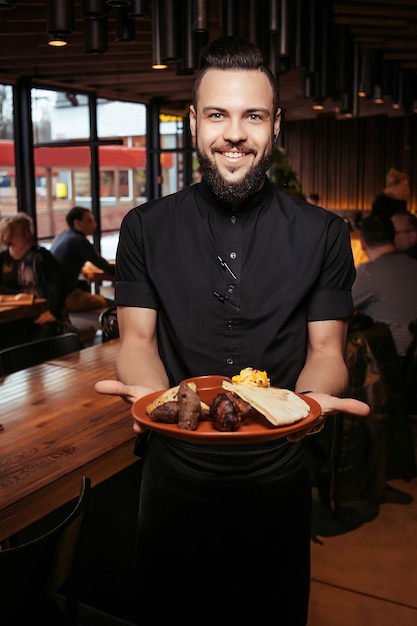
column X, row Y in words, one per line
column 393, row 198
column 26, row 267
column 405, row 225
column 385, row 288
column 72, row 249
column 313, row 198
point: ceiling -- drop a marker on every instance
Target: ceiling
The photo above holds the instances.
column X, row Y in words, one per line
column 124, row 70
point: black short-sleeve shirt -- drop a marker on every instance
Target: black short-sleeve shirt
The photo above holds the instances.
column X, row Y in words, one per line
column 234, row 288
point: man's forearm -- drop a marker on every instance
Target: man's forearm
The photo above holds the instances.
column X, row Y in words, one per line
column 141, row 366
column 324, row 374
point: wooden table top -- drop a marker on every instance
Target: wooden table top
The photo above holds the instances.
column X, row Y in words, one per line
column 12, row 312
column 57, row 429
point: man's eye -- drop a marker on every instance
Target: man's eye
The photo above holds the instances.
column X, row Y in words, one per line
column 254, row 116
column 216, row 116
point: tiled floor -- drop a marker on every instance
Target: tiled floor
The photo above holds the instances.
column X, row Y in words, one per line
column 368, row 576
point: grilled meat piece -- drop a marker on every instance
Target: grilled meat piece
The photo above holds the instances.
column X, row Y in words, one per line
column 243, row 408
column 189, row 407
column 223, row 413
column 166, row 413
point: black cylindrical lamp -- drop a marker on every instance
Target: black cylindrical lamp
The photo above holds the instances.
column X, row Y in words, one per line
column 60, row 21
column 230, row 17
column 200, row 18
column 95, row 35
column 138, row 8
column 169, row 15
column 125, row 26
column 60, row 17
column 93, row 9
column 118, row 3
column 157, row 63
column 187, row 61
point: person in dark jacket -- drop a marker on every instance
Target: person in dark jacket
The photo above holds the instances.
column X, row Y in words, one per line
column 26, row 267
column 393, row 199
column 73, row 249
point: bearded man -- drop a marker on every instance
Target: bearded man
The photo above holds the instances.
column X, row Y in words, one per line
column 226, row 274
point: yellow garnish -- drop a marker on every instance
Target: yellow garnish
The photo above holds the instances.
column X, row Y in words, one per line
column 252, row 376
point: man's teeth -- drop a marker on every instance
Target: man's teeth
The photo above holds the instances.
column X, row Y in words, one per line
column 234, row 155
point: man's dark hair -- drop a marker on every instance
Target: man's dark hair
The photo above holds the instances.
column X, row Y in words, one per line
column 377, row 232
column 232, row 53
column 76, row 213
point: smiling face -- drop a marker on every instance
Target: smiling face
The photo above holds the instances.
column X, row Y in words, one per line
column 233, row 127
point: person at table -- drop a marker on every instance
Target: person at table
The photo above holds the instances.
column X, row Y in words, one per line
column 393, row 198
column 385, row 287
column 313, row 198
column 73, row 249
column 26, row 267
column 405, row 225
column 225, row 274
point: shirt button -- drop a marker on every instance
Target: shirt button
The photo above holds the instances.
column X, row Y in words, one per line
column 233, row 219
column 229, row 361
column 233, row 255
column 231, row 288
column 229, row 324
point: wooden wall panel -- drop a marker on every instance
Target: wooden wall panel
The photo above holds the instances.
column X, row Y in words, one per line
column 345, row 161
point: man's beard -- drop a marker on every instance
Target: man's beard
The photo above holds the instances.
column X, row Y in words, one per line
column 240, row 190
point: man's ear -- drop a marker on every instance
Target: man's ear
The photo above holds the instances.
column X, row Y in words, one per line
column 277, row 123
column 193, row 120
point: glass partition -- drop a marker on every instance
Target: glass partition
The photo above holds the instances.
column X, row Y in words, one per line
column 8, row 197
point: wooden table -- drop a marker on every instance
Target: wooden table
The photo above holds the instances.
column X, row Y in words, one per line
column 57, row 429
column 12, row 312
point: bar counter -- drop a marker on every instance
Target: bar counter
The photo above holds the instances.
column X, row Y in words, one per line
column 56, row 429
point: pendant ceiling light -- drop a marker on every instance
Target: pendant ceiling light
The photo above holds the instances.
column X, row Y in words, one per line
column 95, row 35
column 169, row 14
column 187, row 61
column 118, row 3
column 60, row 21
column 93, row 9
column 138, row 8
column 125, row 26
column 230, row 17
column 200, row 21
column 157, row 63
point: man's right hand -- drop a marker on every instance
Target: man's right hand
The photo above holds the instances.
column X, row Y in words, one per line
column 128, row 393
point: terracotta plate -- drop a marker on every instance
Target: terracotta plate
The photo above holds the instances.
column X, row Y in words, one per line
column 252, row 431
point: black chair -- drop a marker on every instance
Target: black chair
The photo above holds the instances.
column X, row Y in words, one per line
column 410, row 370
column 109, row 324
column 34, row 352
column 31, row 573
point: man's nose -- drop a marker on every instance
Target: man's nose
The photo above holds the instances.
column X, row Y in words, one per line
column 235, row 130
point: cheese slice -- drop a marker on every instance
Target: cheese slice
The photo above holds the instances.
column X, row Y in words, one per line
column 280, row 406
